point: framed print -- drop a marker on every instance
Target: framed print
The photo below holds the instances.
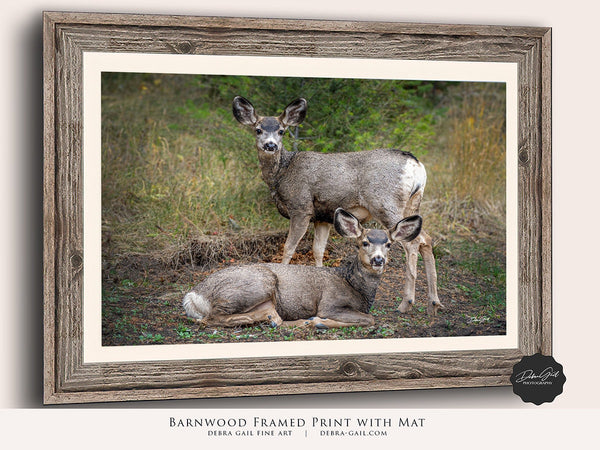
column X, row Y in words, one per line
column 181, row 237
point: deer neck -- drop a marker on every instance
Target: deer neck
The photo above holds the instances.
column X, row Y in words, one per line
column 361, row 280
column 272, row 166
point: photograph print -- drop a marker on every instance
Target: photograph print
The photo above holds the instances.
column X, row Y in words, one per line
column 259, row 209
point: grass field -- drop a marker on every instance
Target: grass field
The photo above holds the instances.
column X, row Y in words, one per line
column 182, row 196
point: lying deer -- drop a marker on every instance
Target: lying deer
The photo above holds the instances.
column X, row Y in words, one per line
column 383, row 184
column 295, row 295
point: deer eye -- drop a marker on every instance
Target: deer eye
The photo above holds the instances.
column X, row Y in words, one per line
column 388, row 245
column 280, row 132
column 365, row 244
column 258, row 131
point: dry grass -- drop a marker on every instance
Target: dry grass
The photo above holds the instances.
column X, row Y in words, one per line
column 171, row 174
column 467, row 170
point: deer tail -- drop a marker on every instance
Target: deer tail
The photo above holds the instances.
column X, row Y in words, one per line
column 196, row 305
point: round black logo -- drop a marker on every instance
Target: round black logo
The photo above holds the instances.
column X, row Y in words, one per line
column 538, row 379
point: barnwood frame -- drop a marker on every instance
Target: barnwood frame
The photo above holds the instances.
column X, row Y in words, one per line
column 67, row 35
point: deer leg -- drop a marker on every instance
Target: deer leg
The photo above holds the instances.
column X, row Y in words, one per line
column 320, row 241
column 345, row 319
column 411, row 250
column 296, row 323
column 337, row 314
column 298, row 226
column 348, row 319
column 426, row 250
column 264, row 312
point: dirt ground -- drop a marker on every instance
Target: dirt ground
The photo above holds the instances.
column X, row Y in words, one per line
column 142, row 295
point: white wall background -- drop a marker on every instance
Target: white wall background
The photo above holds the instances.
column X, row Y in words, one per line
column 576, row 164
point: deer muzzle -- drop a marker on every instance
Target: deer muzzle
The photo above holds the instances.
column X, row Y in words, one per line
column 270, row 147
column 377, row 261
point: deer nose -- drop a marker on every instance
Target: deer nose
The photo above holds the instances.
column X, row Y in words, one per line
column 270, row 147
column 378, row 261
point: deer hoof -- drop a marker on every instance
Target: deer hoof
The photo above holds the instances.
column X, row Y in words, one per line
column 272, row 322
column 405, row 306
column 434, row 307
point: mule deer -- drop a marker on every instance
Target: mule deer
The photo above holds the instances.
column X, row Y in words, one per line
column 383, row 184
column 296, row 295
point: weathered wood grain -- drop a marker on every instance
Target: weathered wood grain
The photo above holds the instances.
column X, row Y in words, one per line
column 253, row 24
column 48, row 214
column 450, row 366
column 68, row 35
column 298, row 43
column 274, row 389
column 546, row 192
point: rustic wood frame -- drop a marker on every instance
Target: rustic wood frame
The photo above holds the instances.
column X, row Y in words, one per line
column 67, row 35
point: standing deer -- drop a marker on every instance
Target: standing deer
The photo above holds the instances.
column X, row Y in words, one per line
column 384, row 184
column 295, row 295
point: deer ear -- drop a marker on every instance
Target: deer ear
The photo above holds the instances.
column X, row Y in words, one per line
column 346, row 224
column 407, row 229
column 243, row 111
column 294, row 113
